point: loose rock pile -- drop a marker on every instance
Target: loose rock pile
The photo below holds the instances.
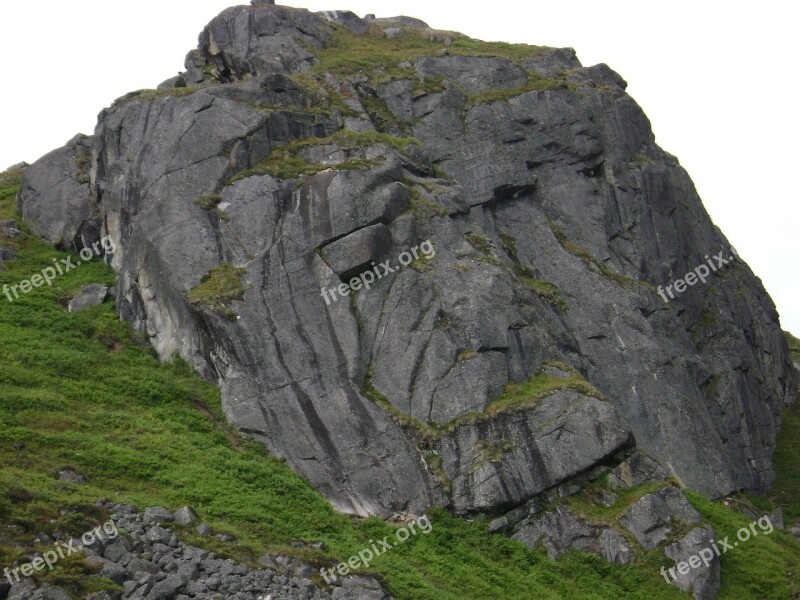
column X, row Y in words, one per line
column 150, row 562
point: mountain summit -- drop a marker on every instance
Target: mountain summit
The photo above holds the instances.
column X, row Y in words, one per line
column 427, row 270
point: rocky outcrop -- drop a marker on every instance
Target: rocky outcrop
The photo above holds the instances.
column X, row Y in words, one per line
column 54, row 198
column 560, row 531
column 650, row 520
column 509, row 458
column 659, row 523
column 554, row 217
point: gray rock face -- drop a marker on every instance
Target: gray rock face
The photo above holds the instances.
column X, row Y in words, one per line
column 472, row 74
column 54, row 196
column 560, row 531
column 650, row 520
column 638, row 469
column 264, row 38
column 345, row 18
column 355, row 253
column 700, row 571
column 507, row 459
column 554, row 217
column 583, row 190
column 90, row 295
column 553, row 62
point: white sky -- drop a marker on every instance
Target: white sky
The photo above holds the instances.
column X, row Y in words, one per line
column 716, row 79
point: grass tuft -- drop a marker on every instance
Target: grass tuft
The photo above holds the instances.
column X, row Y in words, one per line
column 545, row 290
column 209, row 202
column 284, row 162
column 217, row 289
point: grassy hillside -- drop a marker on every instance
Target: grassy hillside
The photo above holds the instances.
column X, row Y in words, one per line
column 82, row 391
column 786, row 490
column 794, row 346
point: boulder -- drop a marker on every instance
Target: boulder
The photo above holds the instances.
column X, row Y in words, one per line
column 166, row 589
column 700, row 577
column 70, row 476
column 244, row 41
column 185, row 515
column 157, row 514
column 90, row 296
column 652, row 518
column 54, row 198
column 108, row 569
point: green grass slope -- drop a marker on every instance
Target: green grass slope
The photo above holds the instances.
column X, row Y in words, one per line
column 81, row 391
column 786, row 490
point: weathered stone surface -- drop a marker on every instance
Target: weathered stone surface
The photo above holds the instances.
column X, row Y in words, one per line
column 555, row 440
column 638, row 469
column 561, row 186
column 652, row 518
column 255, row 40
column 498, row 524
column 552, row 62
column 702, row 580
column 157, row 514
column 185, row 515
column 356, row 252
column 90, row 295
column 108, row 569
column 54, row 196
column 473, row 74
column 47, row 592
column 560, row 531
column 345, row 18
column 179, row 81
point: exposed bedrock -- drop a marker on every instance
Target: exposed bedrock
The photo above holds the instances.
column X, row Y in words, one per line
column 533, row 345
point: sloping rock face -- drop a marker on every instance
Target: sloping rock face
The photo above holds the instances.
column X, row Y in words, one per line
column 560, row 531
column 542, row 218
